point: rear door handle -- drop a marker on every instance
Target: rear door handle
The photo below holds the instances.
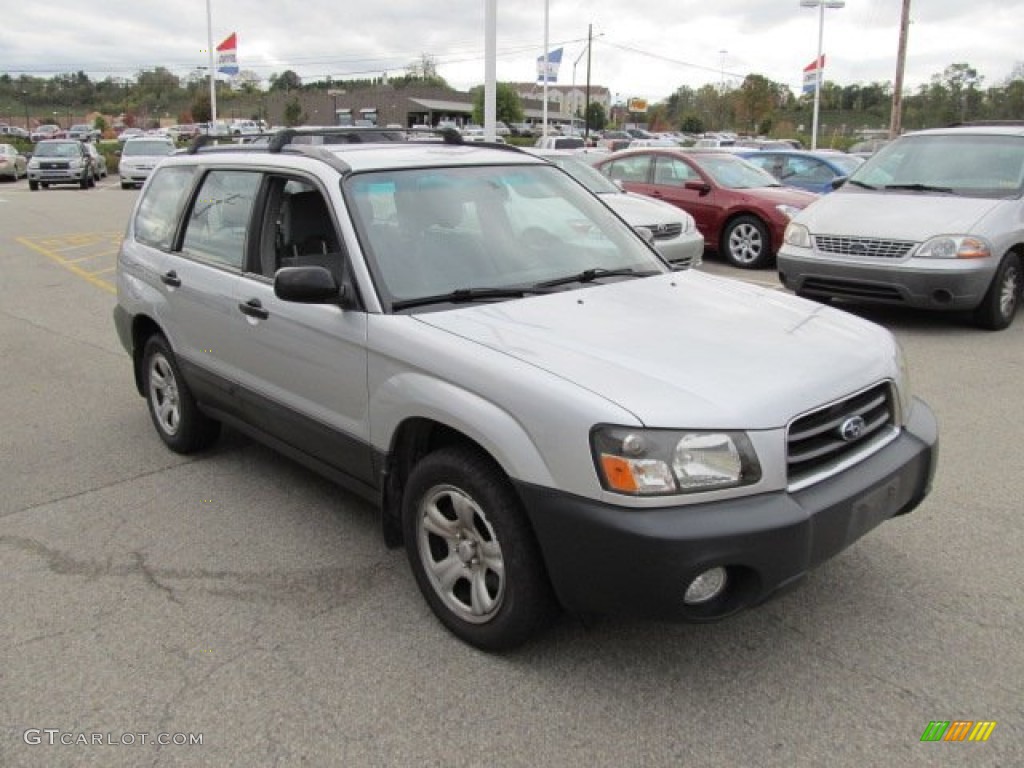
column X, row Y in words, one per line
column 254, row 308
column 171, row 278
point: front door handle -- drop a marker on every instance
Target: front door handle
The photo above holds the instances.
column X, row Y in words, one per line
column 171, row 278
column 254, row 308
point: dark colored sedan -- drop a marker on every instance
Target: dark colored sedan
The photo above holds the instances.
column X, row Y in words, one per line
column 813, row 171
column 741, row 210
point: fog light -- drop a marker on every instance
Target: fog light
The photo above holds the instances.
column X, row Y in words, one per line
column 707, row 586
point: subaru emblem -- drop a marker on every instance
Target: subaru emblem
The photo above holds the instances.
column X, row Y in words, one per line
column 852, row 428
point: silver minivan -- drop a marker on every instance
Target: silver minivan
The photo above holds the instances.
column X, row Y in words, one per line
column 934, row 220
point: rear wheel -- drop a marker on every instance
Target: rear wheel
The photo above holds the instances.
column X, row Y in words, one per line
column 999, row 306
column 33, row 185
column 177, row 418
column 472, row 552
column 745, row 243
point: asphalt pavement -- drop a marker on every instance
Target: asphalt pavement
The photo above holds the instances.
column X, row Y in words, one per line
column 234, row 609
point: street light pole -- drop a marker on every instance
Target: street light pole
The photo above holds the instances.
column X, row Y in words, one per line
column 821, row 5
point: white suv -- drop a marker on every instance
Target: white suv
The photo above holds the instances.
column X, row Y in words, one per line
column 545, row 413
column 933, row 220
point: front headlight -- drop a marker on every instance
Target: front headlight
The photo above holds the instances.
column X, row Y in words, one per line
column 954, row 247
column 33, row 164
column 797, row 235
column 651, row 462
column 75, row 164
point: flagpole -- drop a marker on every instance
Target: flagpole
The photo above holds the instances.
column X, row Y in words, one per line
column 544, row 112
column 213, row 72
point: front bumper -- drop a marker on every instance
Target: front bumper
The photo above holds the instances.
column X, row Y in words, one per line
column 923, row 283
column 607, row 559
column 58, row 175
column 685, row 250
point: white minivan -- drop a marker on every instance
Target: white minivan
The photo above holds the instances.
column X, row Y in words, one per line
column 934, row 220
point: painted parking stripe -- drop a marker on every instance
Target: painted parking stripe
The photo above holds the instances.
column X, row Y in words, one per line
column 54, row 249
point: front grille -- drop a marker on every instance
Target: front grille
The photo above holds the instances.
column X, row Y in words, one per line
column 666, row 231
column 56, row 166
column 872, row 247
column 816, row 441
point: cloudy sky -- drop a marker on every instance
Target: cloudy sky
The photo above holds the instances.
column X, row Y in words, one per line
column 644, row 48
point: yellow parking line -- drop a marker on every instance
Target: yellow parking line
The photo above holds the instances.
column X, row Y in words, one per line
column 103, row 271
column 70, row 265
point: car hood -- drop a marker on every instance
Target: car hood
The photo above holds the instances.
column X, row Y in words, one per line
column 798, row 198
column 687, row 349
column 896, row 215
column 640, row 211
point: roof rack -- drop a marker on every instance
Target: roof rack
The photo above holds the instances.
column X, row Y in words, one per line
column 303, row 137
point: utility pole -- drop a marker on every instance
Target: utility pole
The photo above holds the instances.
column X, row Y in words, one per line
column 896, row 123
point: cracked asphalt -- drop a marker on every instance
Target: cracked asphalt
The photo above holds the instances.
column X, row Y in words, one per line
column 237, row 596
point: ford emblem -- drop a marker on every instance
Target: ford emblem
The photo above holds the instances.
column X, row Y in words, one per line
column 852, row 428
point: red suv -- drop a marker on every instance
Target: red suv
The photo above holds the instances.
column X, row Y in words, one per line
column 741, row 210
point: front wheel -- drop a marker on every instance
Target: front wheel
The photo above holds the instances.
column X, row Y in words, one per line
column 745, row 243
column 472, row 552
column 177, row 418
column 33, row 185
column 999, row 306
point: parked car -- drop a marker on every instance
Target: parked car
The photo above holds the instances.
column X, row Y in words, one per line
column 542, row 419
column 130, row 133
column 741, row 210
column 673, row 232
column 48, row 131
column 15, row 131
column 60, row 161
column 868, row 147
column 83, row 132
column 13, row 164
column 934, row 220
column 522, row 129
column 99, row 162
column 559, row 142
column 139, row 157
column 813, row 171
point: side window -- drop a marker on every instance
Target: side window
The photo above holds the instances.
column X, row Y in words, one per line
column 161, row 206
column 632, row 169
column 671, row 172
column 298, row 229
column 218, row 223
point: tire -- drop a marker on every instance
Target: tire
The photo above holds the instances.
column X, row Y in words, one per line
column 125, row 186
column 33, row 185
column 44, row 185
column 83, row 183
column 746, row 244
column 472, row 552
column 177, row 418
column 1002, row 298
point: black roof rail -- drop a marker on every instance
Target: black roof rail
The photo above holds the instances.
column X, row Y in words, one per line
column 987, row 124
column 206, row 140
column 343, row 134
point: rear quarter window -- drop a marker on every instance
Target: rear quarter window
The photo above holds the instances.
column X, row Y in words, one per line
column 162, row 203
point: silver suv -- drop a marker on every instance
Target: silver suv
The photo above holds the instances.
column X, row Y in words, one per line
column 545, row 413
column 934, row 220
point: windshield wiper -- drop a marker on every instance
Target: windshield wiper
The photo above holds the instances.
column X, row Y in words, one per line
column 466, row 295
column 861, row 184
column 589, row 275
column 921, row 188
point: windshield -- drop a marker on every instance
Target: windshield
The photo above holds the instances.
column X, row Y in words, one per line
column 960, row 164
column 57, row 149
column 431, row 232
column 158, row 147
column 734, row 172
column 585, row 174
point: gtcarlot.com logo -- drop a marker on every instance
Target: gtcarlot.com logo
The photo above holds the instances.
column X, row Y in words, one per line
column 958, row 730
column 55, row 736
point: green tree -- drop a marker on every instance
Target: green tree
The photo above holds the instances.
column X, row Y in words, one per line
column 508, row 107
column 293, row 114
column 597, row 118
column 286, row 81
